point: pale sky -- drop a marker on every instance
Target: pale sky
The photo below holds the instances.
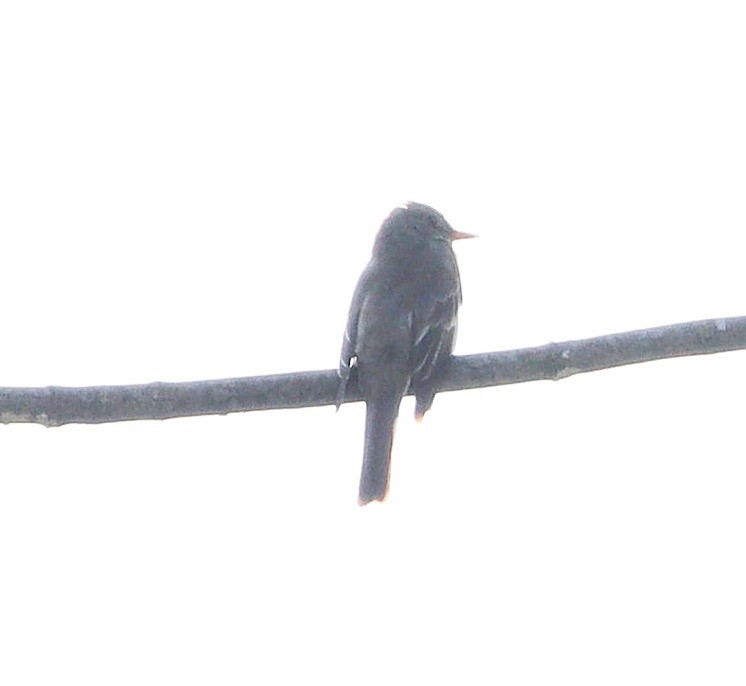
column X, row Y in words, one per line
column 190, row 191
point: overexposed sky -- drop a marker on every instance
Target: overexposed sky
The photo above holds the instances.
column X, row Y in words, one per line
column 190, row 191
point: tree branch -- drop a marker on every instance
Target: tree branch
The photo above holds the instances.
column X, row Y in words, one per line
column 55, row 405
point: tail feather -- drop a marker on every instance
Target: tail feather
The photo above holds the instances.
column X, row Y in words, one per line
column 380, row 418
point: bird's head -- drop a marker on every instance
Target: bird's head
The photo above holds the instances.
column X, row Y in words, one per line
column 415, row 222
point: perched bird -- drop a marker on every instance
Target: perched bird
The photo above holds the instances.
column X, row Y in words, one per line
column 401, row 328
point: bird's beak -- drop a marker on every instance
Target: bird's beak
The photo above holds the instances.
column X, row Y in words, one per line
column 458, row 235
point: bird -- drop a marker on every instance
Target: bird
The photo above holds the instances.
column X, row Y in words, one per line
column 401, row 329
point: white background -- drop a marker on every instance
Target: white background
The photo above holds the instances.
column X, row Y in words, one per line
column 190, row 190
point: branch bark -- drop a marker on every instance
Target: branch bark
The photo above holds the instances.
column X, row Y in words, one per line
column 56, row 405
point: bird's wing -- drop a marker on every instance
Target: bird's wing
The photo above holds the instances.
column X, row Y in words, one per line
column 434, row 320
column 347, row 357
column 433, row 334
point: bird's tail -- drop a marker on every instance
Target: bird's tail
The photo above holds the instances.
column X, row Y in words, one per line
column 380, row 418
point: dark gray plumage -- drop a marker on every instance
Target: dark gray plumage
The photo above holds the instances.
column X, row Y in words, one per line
column 401, row 328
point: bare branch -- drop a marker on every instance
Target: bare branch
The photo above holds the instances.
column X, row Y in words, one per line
column 54, row 405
